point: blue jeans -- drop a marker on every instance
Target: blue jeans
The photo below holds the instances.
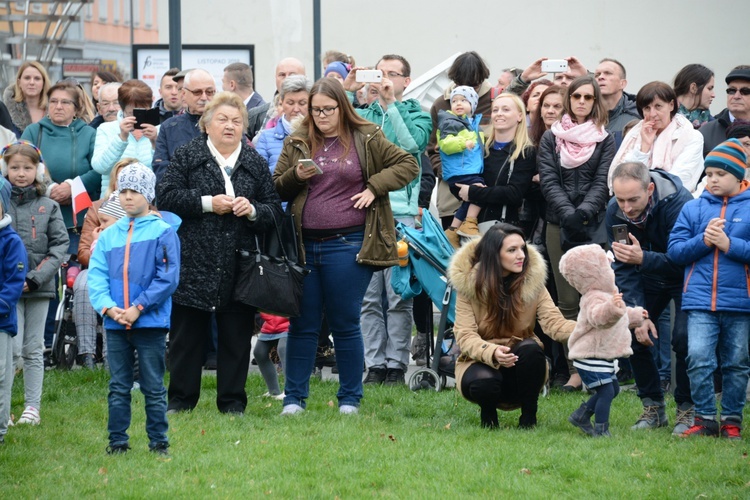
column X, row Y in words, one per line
column 728, row 331
column 121, row 346
column 663, row 346
column 336, row 284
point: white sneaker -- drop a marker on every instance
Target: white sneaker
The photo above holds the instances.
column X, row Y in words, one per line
column 10, row 422
column 277, row 397
column 30, row 416
column 292, row 409
column 348, row 410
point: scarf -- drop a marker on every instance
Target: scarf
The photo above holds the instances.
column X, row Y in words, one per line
column 697, row 116
column 667, row 146
column 226, row 165
column 576, row 143
column 641, row 219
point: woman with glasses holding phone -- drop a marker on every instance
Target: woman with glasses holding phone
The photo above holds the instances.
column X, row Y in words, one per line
column 67, row 145
column 345, row 228
column 664, row 139
column 574, row 156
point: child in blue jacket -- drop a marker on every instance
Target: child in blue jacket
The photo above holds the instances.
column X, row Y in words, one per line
column 712, row 240
column 13, row 265
column 132, row 274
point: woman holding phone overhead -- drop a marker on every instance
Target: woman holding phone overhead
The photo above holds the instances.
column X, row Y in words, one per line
column 345, row 228
column 121, row 138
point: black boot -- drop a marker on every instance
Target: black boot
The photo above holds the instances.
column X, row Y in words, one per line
column 489, row 418
column 601, row 430
column 581, row 418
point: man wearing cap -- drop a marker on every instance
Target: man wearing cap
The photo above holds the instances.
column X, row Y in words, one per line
column 738, row 108
column 238, row 78
column 710, row 239
column 197, row 90
column 648, row 203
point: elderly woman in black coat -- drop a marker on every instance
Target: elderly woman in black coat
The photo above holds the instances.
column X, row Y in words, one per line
column 222, row 190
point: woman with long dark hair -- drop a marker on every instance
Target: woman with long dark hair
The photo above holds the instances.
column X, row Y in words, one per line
column 501, row 294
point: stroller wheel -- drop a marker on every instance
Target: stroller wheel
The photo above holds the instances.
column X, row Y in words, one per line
column 65, row 347
column 425, row 378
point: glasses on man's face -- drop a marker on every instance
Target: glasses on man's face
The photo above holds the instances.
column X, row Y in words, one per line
column 393, row 74
column 745, row 91
column 585, row 97
column 61, row 102
column 198, row 92
column 323, row 111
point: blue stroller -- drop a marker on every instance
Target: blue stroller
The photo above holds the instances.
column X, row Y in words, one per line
column 428, row 258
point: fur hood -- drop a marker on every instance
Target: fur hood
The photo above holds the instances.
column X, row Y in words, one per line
column 19, row 114
column 588, row 269
column 463, row 275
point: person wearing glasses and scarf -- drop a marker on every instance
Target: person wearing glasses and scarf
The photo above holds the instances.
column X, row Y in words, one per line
column 344, row 225
column 198, row 89
column 664, row 139
column 573, row 159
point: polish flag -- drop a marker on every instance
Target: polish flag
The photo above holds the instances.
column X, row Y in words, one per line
column 81, row 199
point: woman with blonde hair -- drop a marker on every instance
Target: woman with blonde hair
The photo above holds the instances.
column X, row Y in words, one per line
column 26, row 99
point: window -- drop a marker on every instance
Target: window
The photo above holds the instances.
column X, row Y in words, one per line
column 89, row 12
column 103, row 17
column 148, row 11
column 126, row 13
column 136, row 12
column 116, row 11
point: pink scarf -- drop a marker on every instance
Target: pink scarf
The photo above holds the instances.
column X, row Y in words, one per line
column 576, row 143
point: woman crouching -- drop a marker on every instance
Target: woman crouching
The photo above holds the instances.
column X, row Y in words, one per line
column 501, row 293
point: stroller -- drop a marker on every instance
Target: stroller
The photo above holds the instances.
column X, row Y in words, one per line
column 65, row 343
column 429, row 253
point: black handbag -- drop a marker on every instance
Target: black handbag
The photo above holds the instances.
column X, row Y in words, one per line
column 268, row 281
column 594, row 232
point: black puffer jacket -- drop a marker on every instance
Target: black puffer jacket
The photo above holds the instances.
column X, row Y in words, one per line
column 584, row 187
column 209, row 241
column 715, row 131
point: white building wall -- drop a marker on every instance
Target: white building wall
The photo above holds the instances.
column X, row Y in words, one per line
column 652, row 38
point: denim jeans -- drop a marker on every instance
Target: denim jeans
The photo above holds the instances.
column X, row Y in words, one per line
column 728, row 331
column 151, row 345
column 336, row 284
column 663, row 346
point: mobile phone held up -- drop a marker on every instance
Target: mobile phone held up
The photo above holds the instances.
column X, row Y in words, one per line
column 369, row 76
column 555, row 66
column 146, row 116
column 307, row 162
column 620, row 234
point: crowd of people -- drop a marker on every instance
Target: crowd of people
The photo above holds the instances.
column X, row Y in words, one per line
column 535, row 178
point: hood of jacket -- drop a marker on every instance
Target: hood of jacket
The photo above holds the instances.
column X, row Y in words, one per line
column 587, row 268
column 52, row 130
column 462, row 273
column 626, row 105
column 19, row 113
column 24, row 195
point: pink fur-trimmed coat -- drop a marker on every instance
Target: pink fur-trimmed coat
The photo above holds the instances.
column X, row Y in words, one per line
column 603, row 329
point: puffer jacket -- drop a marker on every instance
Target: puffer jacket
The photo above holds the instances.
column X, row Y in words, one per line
column 270, row 143
column 67, row 154
column 623, row 113
column 13, row 267
column 583, row 187
column 136, row 263
column 39, row 223
column 173, row 133
column 109, row 149
column 714, row 280
column 210, row 241
column 453, row 132
column 385, row 168
column 475, row 336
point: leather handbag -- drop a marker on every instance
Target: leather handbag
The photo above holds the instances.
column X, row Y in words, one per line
column 268, row 281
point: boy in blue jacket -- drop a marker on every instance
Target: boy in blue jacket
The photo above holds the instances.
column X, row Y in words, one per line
column 132, row 274
column 712, row 240
column 13, row 265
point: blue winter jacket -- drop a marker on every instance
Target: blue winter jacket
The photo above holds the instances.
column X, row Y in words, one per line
column 452, row 133
column 173, row 133
column 270, row 143
column 14, row 264
column 137, row 258
column 714, row 280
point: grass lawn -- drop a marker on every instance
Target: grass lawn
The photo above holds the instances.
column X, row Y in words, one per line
column 402, row 445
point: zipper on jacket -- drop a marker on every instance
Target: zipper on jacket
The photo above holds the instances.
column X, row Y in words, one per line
column 73, row 165
column 125, row 266
column 747, row 278
column 33, row 227
column 715, row 281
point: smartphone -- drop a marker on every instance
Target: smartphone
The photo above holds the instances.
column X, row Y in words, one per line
column 307, row 162
column 555, row 66
column 369, row 76
column 146, row 115
column 620, row 234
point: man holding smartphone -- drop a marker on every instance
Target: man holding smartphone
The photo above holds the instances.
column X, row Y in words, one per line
column 387, row 349
column 648, row 202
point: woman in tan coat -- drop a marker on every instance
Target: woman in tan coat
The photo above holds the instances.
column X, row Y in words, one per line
column 501, row 293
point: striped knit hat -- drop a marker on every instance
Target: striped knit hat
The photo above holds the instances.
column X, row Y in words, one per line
column 729, row 156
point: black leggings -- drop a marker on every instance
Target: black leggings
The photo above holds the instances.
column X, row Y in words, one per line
column 518, row 385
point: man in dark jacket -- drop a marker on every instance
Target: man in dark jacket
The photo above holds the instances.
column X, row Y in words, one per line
column 738, row 108
column 610, row 75
column 197, row 90
column 648, row 203
column 170, row 103
column 238, row 78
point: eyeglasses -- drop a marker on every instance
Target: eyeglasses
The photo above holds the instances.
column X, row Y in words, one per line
column 586, row 97
column 743, row 91
column 107, row 104
column 323, row 111
column 198, row 93
column 62, row 102
column 393, row 74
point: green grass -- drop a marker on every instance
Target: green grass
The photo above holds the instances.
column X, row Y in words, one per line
column 402, row 445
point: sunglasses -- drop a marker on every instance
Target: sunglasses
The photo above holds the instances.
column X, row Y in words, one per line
column 198, row 93
column 743, row 91
column 586, row 97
